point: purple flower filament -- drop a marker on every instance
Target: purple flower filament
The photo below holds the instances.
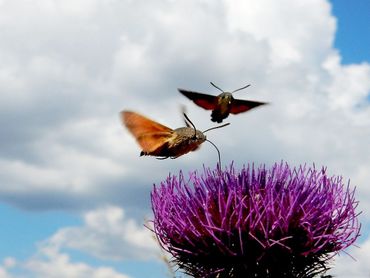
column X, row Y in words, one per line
column 257, row 222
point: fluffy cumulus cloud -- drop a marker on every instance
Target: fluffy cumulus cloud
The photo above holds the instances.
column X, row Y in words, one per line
column 355, row 267
column 105, row 234
column 68, row 67
column 7, row 264
column 58, row 265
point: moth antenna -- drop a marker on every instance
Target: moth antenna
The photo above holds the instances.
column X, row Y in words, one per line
column 183, row 111
column 217, row 87
column 218, row 152
column 242, row 88
column 188, row 120
column 216, row 127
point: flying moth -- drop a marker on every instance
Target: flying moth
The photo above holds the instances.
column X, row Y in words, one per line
column 161, row 141
column 221, row 105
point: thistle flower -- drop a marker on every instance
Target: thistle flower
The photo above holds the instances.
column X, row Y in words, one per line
column 256, row 222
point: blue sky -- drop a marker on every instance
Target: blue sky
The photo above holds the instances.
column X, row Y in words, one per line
column 353, row 25
column 74, row 194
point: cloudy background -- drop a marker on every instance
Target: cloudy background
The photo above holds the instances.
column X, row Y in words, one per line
column 74, row 194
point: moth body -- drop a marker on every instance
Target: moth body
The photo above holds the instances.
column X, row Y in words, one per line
column 223, row 107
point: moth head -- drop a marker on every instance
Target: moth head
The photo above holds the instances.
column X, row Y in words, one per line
column 225, row 93
column 200, row 137
column 226, row 97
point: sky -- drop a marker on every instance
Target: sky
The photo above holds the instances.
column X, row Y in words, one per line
column 74, row 193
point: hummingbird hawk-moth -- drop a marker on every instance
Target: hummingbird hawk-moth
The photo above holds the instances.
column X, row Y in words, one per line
column 221, row 105
column 161, row 141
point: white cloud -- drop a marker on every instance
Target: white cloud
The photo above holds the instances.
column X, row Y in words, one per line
column 297, row 33
column 107, row 234
column 69, row 68
column 59, row 265
column 356, row 267
column 348, row 89
column 52, row 264
column 74, row 159
column 4, row 273
column 7, row 264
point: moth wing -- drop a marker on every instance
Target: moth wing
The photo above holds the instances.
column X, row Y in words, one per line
column 149, row 134
column 139, row 125
column 153, row 142
column 207, row 102
column 239, row 105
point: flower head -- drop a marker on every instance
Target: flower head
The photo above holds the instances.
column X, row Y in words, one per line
column 256, row 222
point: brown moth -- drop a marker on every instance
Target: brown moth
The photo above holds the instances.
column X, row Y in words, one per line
column 161, row 141
column 221, row 105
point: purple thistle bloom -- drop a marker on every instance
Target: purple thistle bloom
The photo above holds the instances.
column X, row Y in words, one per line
column 257, row 222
